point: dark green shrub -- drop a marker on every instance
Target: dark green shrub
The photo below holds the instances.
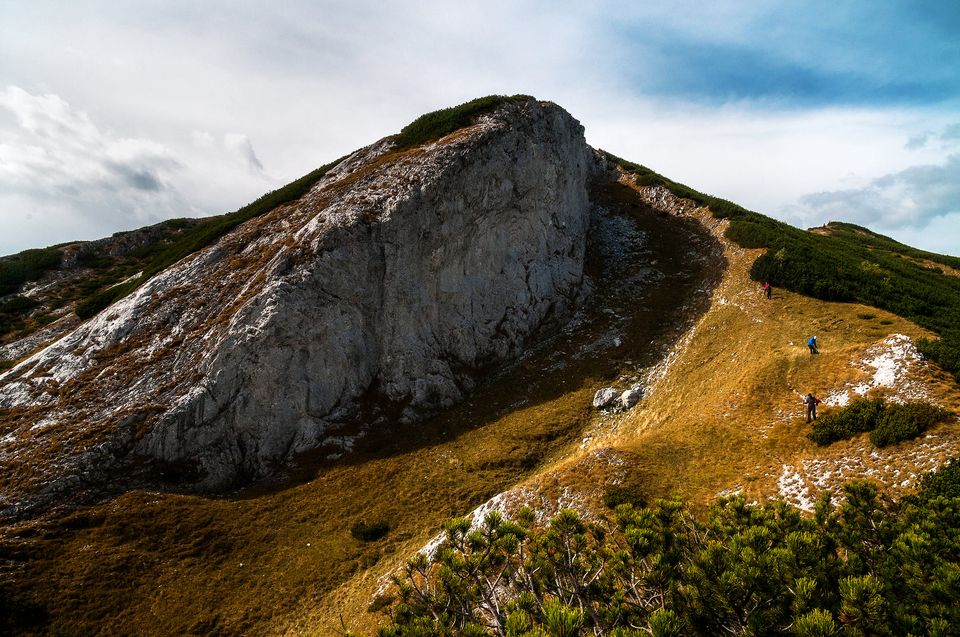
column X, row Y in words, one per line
column 435, row 125
column 616, row 495
column 860, row 416
column 903, row 422
column 13, row 311
column 95, row 261
column 17, row 304
column 944, row 482
column 369, row 532
column 945, row 351
column 99, row 300
column 870, row 566
column 28, row 265
column 721, row 208
column 887, row 422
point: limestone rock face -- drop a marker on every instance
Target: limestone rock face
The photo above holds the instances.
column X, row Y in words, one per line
column 396, row 279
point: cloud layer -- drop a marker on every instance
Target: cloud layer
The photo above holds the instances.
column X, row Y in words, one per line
column 910, row 200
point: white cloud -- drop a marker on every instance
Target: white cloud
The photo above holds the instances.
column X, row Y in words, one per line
column 64, row 178
column 766, row 159
column 241, row 147
column 913, row 198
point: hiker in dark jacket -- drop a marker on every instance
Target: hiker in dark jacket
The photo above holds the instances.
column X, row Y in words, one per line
column 811, row 402
column 812, row 344
column 767, row 290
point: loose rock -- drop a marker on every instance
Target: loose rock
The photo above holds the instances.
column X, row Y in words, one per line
column 605, row 397
column 629, row 398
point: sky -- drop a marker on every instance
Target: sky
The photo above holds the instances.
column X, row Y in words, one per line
column 119, row 114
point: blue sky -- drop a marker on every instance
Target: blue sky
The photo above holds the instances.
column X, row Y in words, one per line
column 805, row 54
column 115, row 114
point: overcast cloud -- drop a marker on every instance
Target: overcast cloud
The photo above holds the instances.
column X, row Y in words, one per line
column 114, row 114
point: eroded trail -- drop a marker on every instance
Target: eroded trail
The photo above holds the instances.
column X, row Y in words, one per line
column 283, row 559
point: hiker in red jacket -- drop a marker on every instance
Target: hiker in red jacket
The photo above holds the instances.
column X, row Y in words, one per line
column 767, row 290
column 811, row 402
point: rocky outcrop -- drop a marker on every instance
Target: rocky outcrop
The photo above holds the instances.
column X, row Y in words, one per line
column 381, row 293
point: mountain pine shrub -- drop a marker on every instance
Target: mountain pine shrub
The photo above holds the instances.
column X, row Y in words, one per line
column 871, row 566
column 903, row 422
column 434, row 125
column 616, row 495
column 943, row 483
column 860, row 416
column 887, row 422
column 28, row 265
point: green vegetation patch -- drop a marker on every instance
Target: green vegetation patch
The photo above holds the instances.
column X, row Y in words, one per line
column 29, row 265
column 433, row 126
column 616, row 495
column 904, row 422
column 844, row 262
column 872, row 566
column 370, row 531
column 942, row 483
column 12, row 311
column 861, row 416
column 888, row 422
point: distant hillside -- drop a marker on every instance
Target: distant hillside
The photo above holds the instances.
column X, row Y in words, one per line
column 89, row 276
column 843, row 262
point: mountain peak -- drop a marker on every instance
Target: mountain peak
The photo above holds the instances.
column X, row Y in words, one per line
column 400, row 274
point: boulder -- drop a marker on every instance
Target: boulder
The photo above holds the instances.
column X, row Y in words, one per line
column 605, row 397
column 630, row 397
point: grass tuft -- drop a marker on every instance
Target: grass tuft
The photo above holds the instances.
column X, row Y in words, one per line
column 370, row 532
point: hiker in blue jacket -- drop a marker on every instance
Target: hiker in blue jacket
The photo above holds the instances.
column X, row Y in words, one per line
column 812, row 344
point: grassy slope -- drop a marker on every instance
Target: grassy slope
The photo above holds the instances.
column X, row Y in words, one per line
column 843, row 262
column 727, row 415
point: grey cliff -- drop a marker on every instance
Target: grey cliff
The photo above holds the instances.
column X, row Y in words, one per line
column 395, row 281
